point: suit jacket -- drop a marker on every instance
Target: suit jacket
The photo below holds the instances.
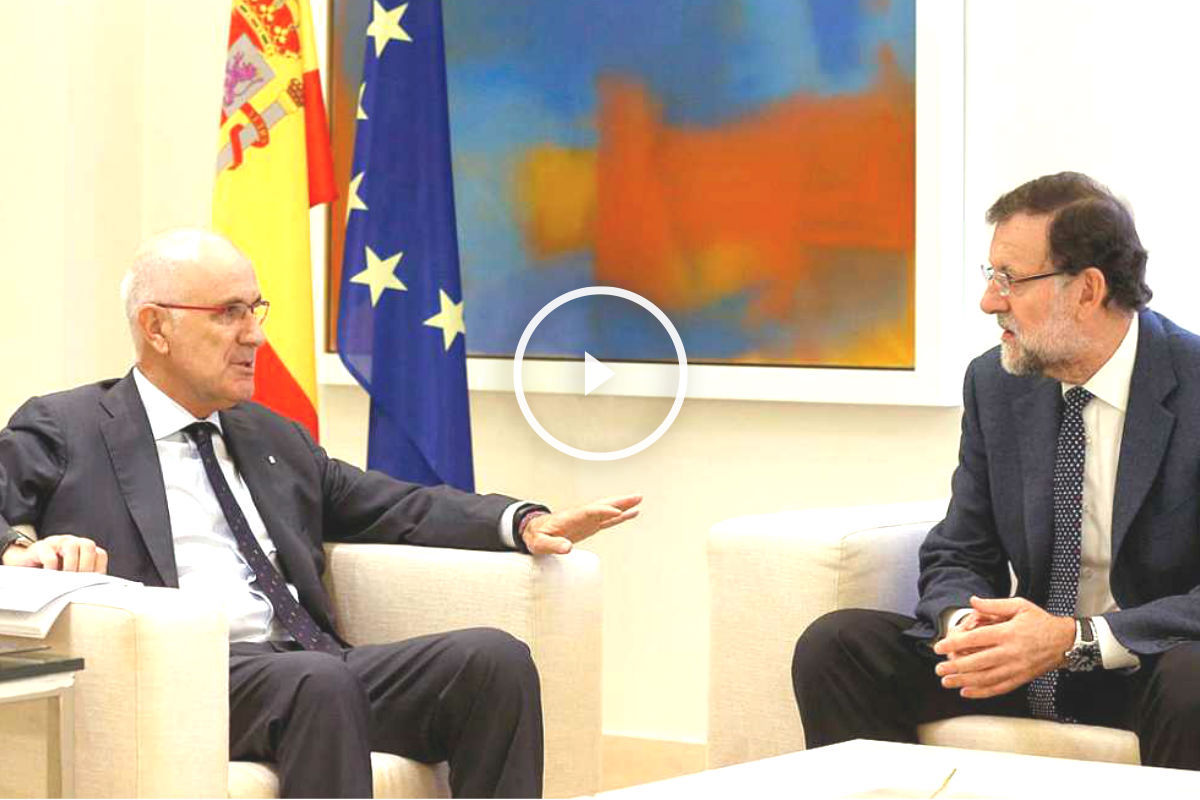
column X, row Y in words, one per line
column 1001, row 509
column 84, row 462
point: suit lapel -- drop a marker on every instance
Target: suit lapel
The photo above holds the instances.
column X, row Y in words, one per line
column 1037, row 414
column 250, row 455
column 1148, row 426
column 134, row 458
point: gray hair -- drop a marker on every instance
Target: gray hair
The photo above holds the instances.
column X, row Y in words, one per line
column 149, row 278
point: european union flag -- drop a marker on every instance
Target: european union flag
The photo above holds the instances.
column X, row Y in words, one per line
column 400, row 328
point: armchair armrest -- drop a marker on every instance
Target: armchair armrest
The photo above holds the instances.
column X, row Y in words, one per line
column 770, row 576
column 152, row 702
column 387, row 593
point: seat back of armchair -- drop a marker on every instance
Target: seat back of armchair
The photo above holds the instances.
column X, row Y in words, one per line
column 770, row 576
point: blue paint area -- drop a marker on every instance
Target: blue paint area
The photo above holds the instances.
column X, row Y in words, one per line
column 706, row 60
column 837, row 25
column 606, row 327
column 895, row 26
column 500, row 305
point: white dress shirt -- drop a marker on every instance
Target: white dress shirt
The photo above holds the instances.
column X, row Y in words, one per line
column 207, row 558
column 1103, row 427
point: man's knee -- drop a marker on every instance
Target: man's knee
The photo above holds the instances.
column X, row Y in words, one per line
column 322, row 680
column 492, row 651
column 831, row 637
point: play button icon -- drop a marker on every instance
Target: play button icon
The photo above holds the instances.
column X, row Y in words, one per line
column 595, row 374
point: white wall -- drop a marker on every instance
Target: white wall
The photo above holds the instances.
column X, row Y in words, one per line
column 110, row 136
column 71, row 139
column 1106, row 87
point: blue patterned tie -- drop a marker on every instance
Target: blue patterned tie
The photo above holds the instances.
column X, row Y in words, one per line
column 298, row 622
column 1068, row 523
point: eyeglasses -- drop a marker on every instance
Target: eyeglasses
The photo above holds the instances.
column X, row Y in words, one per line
column 1004, row 282
column 232, row 313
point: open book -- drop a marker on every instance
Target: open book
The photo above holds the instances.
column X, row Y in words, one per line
column 31, row 599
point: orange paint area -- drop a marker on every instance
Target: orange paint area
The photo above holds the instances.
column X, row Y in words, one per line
column 772, row 204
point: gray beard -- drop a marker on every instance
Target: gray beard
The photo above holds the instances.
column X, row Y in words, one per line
column 1018, row 360
column 1049, row 354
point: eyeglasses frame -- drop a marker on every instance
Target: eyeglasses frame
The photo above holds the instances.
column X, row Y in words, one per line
column 1004, row 282
column 251, row 309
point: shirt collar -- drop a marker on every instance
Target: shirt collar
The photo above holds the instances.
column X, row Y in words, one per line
column 167, row 417
column 1111, row 381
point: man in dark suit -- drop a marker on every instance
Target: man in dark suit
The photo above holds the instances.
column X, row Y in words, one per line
column 171, row 477
column 1079, row 466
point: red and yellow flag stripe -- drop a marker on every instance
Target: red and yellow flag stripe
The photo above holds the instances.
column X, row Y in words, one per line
column 274, row 163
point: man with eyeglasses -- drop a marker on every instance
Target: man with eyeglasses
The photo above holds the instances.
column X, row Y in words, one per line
column 176, row 479
column 1079, row 466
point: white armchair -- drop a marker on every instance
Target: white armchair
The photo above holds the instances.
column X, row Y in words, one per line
column 152, row 705
column 771, row 575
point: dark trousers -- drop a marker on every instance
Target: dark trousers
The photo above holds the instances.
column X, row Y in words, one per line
column 857, row 676
column 469, row 697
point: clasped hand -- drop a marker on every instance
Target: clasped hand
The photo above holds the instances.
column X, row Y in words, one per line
column 558, row 532
column 1002, row 644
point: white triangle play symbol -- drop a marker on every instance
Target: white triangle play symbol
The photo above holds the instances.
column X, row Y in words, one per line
column 594, row 373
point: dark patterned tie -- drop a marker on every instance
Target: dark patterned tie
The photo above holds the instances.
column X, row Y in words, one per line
column 1068, row 522
column 298, row 622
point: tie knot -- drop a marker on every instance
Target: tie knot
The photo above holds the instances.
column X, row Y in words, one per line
column 199, row 432
column 1077, row 398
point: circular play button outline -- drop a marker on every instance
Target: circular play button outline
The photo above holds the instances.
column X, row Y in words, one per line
column 519, row 388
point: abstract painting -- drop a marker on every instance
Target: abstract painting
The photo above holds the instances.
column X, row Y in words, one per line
column 746, row 165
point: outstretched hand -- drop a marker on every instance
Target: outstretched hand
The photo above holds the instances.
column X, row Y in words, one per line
column 558, row 532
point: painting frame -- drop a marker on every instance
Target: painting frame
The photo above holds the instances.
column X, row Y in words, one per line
column 942, row 295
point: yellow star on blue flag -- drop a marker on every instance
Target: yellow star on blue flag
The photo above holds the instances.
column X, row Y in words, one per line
column 449, row 319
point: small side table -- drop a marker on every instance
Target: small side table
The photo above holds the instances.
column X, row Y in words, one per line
column 43, row 674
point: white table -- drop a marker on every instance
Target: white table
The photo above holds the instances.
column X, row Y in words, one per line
column 58, row 689
column 862, row 769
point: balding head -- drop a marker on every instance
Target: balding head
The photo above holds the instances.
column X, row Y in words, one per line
column 189, row 297
column 169, row 263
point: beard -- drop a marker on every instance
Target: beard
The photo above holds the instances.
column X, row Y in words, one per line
column 1047, row 350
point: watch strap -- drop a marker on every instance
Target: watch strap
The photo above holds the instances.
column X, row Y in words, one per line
column 1084, row 654
column 10, row 537
column 525, row 514
column 1085, row 631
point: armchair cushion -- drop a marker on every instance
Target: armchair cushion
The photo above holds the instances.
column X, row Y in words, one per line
column 1033, row 737
column 393, row 776
column 770, row 576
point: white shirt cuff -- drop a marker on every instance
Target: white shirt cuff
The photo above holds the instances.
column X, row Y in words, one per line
column 506, row 525
column 1113, row 654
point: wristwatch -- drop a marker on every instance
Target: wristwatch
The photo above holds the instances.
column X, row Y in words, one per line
column 9, row 538
column 1085, row 655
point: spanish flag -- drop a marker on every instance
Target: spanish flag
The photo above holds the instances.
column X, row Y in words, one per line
column 273, row 164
